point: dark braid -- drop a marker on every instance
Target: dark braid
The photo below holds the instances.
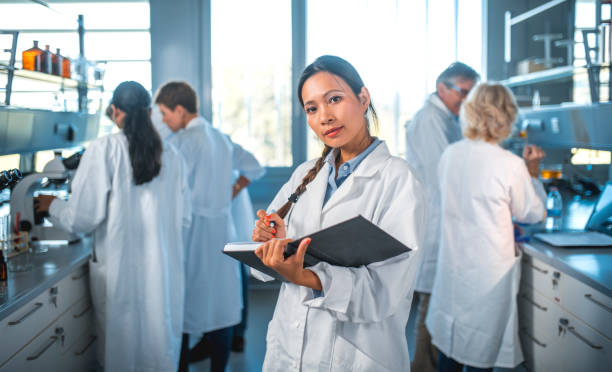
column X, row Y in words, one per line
column 312, row 173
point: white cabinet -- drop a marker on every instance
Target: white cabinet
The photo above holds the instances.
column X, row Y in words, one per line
column 561, row 327
column 53, row 331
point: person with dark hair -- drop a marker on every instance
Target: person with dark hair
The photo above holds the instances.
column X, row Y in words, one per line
column 433, row 128
column 329, row 317
column 213, row 300
column 131, row 192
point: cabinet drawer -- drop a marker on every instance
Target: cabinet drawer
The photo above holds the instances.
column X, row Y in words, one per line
column 555, row 340
column 72, row 288
column 48, row 351
column 82, row 354
column 586, row 303
column 31, row 319
column 541, row 277
column 25, row 323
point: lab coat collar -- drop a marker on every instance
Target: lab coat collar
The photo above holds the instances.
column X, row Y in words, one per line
column 196, row 122
column 435, row 100
column 369, row 167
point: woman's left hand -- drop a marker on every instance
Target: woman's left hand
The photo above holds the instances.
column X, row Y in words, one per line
column 292, row 268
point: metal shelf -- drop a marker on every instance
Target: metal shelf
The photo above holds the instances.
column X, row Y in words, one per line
column 48, row 78
column 556, row 73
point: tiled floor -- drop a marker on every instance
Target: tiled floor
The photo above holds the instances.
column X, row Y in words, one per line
column 262, row 299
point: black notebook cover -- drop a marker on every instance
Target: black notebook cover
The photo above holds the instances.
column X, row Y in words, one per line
column 351, row 243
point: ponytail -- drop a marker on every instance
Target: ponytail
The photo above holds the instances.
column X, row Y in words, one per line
column 312, row 173
column 144, row 144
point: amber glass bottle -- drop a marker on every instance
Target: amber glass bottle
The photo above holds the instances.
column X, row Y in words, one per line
column 57, row 63
column 31, row 58
column 3, row 267
column 66, row 67
column 46, row 60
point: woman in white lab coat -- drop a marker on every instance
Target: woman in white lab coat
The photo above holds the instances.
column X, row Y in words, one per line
column 131, row 192
column 472, row 314
column 329, row 317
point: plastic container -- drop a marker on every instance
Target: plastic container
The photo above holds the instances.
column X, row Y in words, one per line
column 30, row 59
column 554, row 209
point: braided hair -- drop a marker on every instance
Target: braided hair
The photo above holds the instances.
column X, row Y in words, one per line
column 344, row 70
column 144, row 144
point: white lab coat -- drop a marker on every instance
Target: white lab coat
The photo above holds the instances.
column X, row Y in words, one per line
column 242, row 207
column 472, row 314
column 136, row 273
column 432, row 129
column 359, row 322
column 212, row 289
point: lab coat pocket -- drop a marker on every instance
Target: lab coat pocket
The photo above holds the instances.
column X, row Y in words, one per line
column 346, row 357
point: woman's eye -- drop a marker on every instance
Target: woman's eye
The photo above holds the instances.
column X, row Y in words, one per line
column 310, row 109
column 335, row 99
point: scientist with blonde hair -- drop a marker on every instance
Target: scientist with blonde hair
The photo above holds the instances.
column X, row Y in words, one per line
column 473, row 316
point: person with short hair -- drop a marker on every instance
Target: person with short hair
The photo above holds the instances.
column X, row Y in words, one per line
column 130, row 190
column 433, row 128
column 213, row 300
column 472, row 316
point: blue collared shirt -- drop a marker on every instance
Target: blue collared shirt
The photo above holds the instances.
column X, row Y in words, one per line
column 344, row 170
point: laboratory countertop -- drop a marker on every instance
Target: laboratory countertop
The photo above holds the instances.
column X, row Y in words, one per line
column 47, row 269
column 592, row 266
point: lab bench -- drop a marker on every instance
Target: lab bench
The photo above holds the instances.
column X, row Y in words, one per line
column 565, row 308
column 46, row 314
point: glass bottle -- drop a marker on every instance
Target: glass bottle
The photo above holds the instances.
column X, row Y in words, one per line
column 30, row 59
column 46, row 60
column 57, row 63
column 3, row 266
column 554, row 207
column 66, row 67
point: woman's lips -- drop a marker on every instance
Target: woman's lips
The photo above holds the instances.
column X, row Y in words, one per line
column 333, row 132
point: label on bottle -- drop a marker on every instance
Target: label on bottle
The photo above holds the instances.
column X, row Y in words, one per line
column 554, row 212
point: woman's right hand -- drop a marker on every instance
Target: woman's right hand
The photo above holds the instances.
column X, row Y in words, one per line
column 532, row 155
column 264, row 232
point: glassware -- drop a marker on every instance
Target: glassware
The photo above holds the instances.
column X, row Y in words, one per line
column 66, row 67
column 46, row 60
column 554, row 207
column 57, row 63
column 31, row 58
column 20, row 262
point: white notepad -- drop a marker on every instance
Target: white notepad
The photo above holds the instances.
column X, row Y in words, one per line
column 576, row 239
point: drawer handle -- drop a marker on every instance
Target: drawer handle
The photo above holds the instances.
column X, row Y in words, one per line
column 37, row 306
column 80, row 276
column 92, row 339
column 52, row 340
column 543, row 308
column 565, row 323
column 85, row 311
column 543, row 271
column 590, row 298
column 539, row 343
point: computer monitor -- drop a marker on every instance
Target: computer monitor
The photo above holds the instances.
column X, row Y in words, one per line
column 601, row 217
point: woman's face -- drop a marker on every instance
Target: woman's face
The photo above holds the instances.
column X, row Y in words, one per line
column 333, row 111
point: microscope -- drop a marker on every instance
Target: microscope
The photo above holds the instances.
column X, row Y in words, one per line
column 57, row 172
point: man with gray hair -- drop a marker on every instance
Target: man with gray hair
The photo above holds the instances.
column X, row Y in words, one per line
column 433, row 128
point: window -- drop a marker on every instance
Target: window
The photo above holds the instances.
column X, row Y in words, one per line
column 117, row 39
column 398, row 47
column 251, row 76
